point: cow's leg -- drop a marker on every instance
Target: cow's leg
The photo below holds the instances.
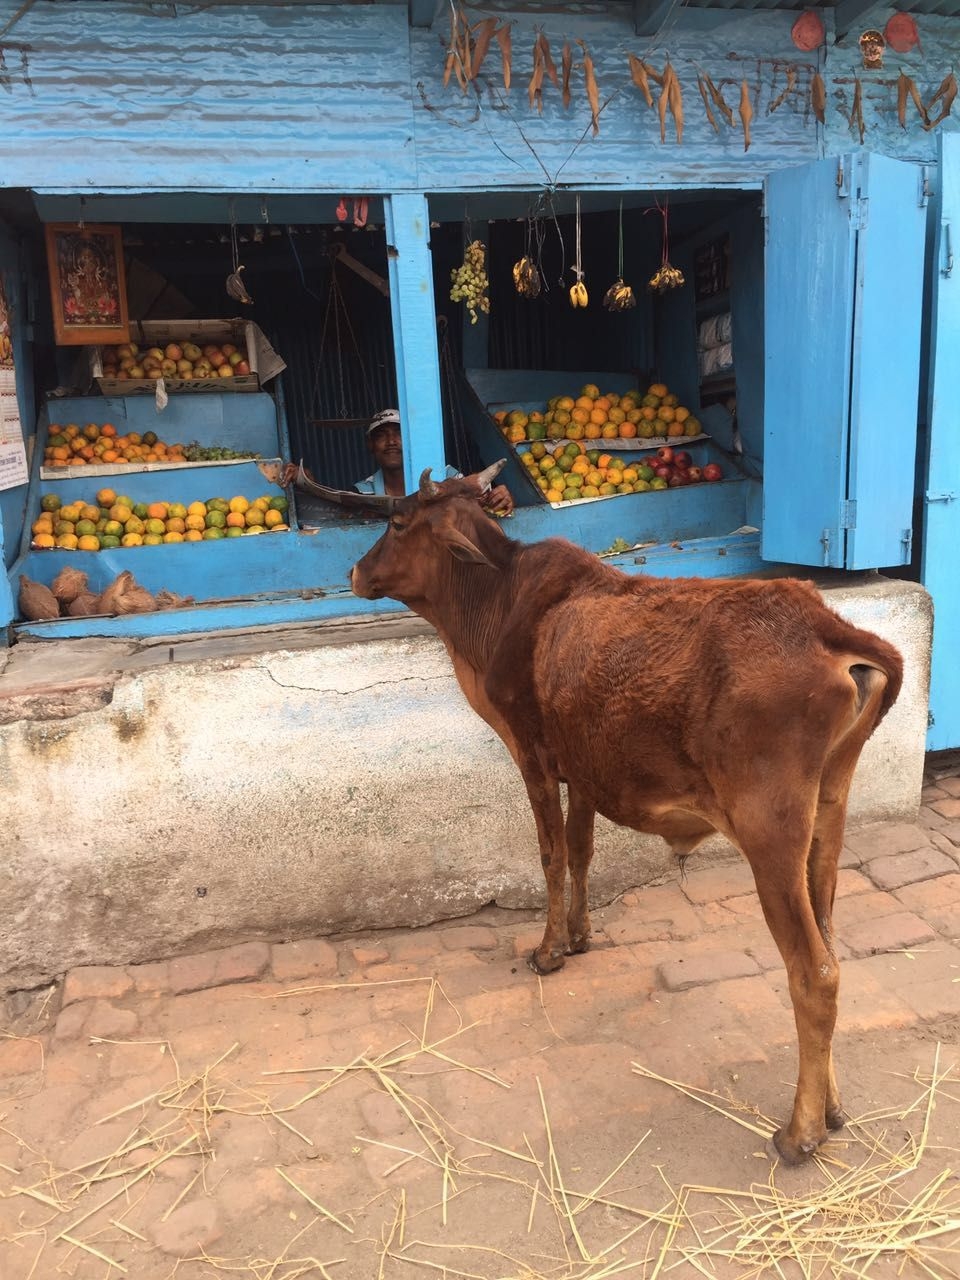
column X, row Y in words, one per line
column 824, row 859
column 544, row 793
column 580, row 816
column 778, row 857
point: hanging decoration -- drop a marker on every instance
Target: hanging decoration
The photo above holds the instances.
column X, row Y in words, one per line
column 906, row 88
column 945, row 95
column 901, row 33
column 808, row 32
column 469, row 281
column 526, row 271
column 468, row 47
column 619, row 297
column 872, row 45
column 666, row 276
column 236, row 289
column 746, row 113
column 578, row 291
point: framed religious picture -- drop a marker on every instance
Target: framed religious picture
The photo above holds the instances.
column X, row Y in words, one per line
column 88, row 290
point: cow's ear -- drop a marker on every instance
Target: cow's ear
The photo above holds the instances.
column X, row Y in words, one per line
column 461, row 548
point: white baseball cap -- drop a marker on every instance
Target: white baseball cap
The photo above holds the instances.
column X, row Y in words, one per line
column 385, row 418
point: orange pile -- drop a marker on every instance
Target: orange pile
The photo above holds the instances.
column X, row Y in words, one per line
column 75, row 446
column 635, row 415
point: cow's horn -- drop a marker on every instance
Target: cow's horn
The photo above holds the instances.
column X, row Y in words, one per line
column 428, row 488
column 486, row 477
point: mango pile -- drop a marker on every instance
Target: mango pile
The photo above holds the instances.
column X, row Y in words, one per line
column 70, row 445
column 115, row 520
column 571, row 471
column 634, row 415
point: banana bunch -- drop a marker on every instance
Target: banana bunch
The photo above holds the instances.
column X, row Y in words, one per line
column 578, row 294
column 526, row 278
column 667, row 277
column 619, row 297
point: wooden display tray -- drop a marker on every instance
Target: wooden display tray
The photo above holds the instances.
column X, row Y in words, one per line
column 613, row 446
column 107, row 469
column 147, row 333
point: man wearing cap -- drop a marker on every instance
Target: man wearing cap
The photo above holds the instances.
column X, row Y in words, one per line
column 384, row 442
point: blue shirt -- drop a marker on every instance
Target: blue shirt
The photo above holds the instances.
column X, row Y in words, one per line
column 374, row 483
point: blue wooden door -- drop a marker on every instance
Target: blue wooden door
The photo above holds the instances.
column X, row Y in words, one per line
column 941, row 541
column 844, row 277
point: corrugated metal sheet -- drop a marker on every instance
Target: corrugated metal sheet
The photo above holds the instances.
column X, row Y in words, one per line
column 134, row 96
column 323, row 98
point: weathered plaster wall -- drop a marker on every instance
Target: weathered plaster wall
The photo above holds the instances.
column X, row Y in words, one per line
column 153, row 807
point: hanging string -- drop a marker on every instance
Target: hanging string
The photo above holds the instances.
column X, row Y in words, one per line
column 620, row 246
column 577, row 269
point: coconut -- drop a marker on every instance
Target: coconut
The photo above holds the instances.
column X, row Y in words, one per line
column 68, row 584
column 37, row 602
column 84, row 605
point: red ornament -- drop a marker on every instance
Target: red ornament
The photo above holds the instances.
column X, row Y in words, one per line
column 808, row 33
column 901, row 33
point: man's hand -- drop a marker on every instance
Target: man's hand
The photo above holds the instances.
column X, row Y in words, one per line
column 289, row 472
column 499, row 500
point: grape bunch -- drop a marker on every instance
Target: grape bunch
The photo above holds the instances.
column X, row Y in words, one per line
column 470, row 281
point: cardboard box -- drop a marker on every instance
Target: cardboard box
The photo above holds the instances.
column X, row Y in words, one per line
column 157, row 333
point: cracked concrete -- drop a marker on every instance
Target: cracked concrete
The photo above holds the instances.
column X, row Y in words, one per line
column 163, row 797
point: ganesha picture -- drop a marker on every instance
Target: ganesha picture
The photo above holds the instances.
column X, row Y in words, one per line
column 87, row 283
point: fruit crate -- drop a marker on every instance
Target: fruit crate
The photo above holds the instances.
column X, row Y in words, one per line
column 159, row 333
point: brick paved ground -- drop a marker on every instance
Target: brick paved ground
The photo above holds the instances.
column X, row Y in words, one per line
column 418, row 1103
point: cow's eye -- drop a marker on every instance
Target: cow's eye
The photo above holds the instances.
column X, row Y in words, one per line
column 397, row 524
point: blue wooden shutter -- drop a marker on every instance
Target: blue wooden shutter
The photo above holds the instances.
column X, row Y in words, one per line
column 844, row 277
column 942, row 494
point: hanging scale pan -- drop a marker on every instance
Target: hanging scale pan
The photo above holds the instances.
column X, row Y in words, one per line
column 808, row 33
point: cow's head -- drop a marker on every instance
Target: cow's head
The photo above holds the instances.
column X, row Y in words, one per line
column 426, row 528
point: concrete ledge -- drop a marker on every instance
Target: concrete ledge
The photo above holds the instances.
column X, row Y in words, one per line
column 285, row 785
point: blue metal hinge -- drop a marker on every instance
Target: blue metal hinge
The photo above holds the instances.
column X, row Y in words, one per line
column 925, row 189
column 940, row 497
column 859, row 213
column 947, row 268
column 848, row 513
column 906, row 541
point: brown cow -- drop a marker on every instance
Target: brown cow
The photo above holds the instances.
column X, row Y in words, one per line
column 735, row 706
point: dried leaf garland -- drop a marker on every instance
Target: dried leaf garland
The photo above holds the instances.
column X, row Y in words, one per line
column 566, row 62
column 663, row 102
column 786, row 91
column 548, row 63
column 746, row 113
column 483, row 33
column 593, row 93
column 638, row 74
column 535, row 87
column 675, row 102
column 706, row 104
column 947, row 92
column 505, row 41
column 818, row 98
column 856, row 111
column 915, row 98
column 718, row 101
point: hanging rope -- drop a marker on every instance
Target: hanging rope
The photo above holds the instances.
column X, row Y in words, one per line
column 336, row 313
column 462, row 452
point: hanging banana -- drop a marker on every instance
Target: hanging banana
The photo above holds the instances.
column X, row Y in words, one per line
column 619, row 297
column 526, row 278
column 578, row 295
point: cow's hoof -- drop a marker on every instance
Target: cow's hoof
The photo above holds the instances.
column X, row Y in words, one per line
column 578, row 944
column 790, row 1151
column 548, row 962
column 836, row 1117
